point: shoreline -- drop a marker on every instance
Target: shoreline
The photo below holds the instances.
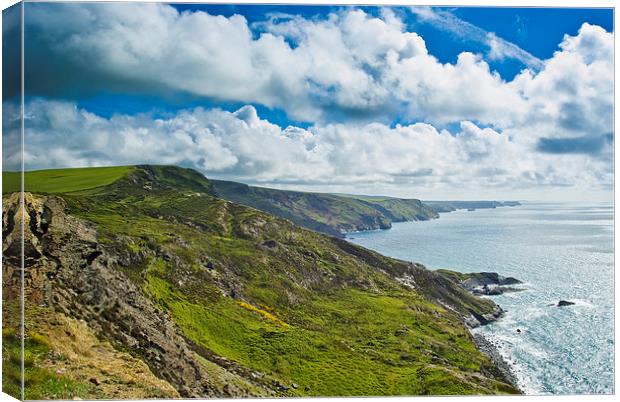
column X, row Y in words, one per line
column 488, row 348
column 503, row 369
column 346, row 233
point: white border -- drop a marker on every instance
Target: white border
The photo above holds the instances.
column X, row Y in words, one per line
column 485, row 3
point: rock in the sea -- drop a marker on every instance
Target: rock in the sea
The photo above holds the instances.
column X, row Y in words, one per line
column 492, row 290
column 563, row 303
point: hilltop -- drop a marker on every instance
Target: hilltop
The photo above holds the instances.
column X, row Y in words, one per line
column 181, row 293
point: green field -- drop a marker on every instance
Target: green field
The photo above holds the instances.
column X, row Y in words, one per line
column 61, row 181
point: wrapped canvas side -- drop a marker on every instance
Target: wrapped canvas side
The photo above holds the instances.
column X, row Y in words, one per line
column 13, row 358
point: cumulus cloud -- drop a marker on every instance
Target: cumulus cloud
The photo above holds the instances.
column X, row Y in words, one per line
column 574, row 92
column 240, row 145
column 348, row 65
column 59, row 134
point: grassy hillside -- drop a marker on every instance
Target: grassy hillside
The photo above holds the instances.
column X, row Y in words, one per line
column 398, row 209
column 276, row 307
column 326, row 213
column 62, row 354
column 88, row 180
column 63, row 180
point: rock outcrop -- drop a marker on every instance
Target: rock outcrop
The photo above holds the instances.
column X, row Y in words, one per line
column 482, row 283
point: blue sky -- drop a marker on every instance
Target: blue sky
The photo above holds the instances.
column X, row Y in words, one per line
column 536, row 30
column 421, row 102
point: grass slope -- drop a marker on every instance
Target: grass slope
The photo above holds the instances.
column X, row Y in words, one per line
column 56, row 181
column 39, row 381
column 316, row 314
column 327, row 213
column 398, row 209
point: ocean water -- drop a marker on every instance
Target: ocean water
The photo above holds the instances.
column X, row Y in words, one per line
column 560, row 252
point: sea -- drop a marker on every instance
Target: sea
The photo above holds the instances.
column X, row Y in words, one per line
column 559, row 252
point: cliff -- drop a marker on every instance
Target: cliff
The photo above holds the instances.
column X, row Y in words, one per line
column 201, row 297
column 326, row 213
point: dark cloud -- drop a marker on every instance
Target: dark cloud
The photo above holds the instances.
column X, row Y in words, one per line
column 11, row 52
column 571, row 116
column 580, row 145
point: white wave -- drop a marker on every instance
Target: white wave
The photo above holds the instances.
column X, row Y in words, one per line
column 582, row 303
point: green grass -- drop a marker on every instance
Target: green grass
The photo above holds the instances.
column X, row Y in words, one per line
column 59, row 181
column 351, row 343
column 454, row 275
column 11, row 182
column 11, row 366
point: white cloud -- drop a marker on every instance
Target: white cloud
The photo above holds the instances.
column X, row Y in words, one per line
column 242, row 146
column 60, row 134
column 573, row 94
column 346, row 66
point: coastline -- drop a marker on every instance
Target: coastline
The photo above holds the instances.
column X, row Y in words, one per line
column 439, row 211
column 504, row 370
column 526, row 340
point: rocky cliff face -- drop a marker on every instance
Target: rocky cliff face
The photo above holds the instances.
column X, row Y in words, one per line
column 68, row 271
column 482, row 283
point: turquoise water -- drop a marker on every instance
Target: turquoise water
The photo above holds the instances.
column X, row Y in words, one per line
column 560, row 251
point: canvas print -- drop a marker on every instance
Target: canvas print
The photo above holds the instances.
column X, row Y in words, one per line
column 227, row 200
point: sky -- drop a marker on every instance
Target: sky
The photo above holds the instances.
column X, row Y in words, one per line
column 424, row 102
